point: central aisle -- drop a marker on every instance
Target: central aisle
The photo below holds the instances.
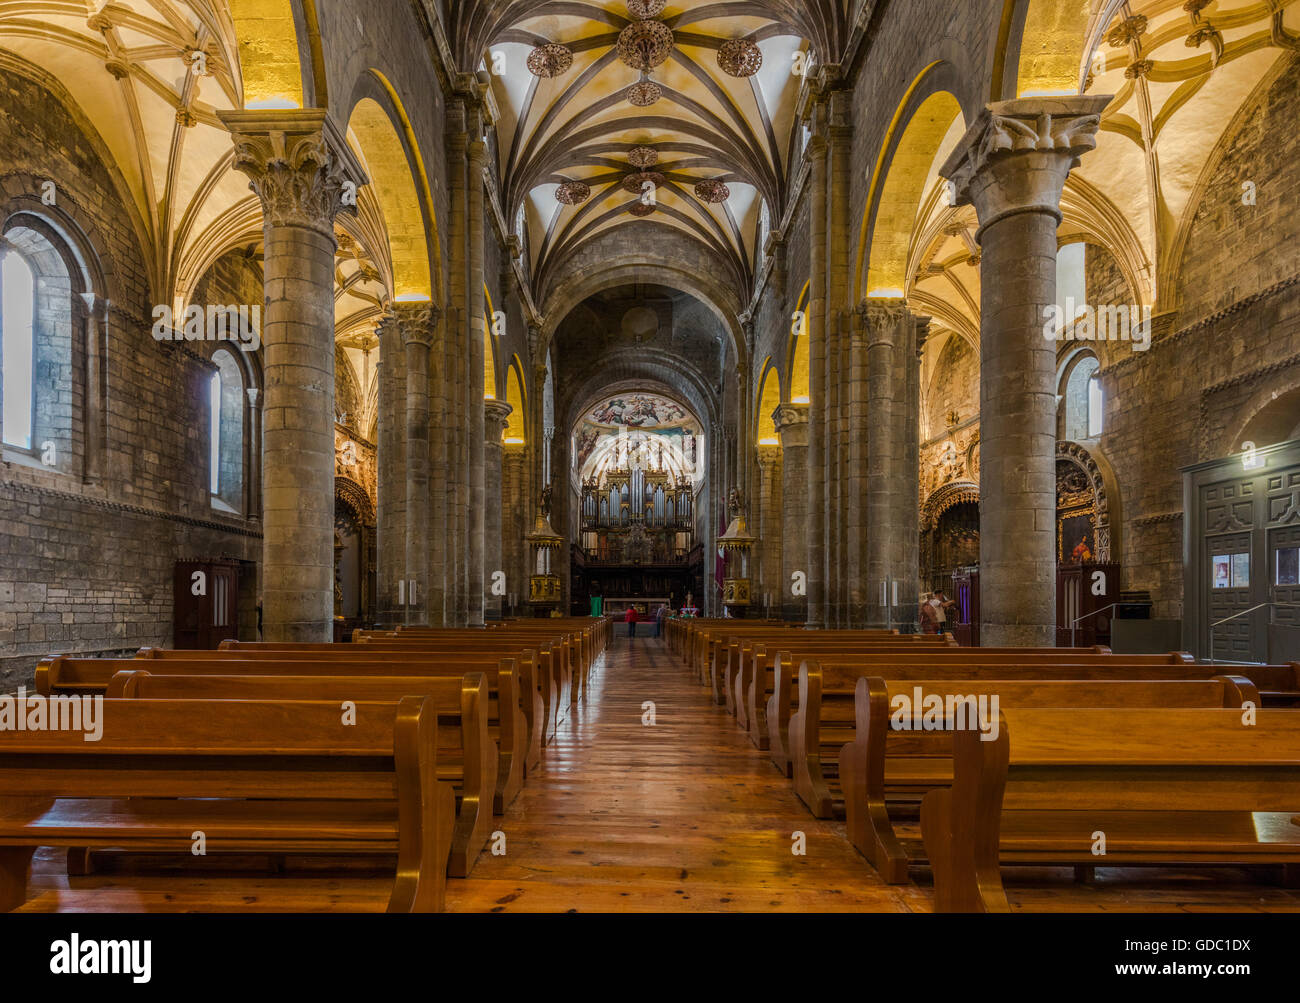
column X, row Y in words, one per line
column 684, row 815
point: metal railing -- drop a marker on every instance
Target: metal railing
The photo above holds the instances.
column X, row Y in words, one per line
column 1246, row 612
column 1079, row 619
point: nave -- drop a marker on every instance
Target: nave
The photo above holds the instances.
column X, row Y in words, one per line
column 684, row 815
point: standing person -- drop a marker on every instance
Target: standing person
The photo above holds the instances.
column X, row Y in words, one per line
column 942, row 604
column 659, row 619
column 929, row 623
column 631, row 622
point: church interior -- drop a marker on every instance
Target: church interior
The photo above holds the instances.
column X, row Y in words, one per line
column 650, row 456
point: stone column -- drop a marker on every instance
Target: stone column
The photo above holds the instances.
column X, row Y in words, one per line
column 303, row 172
column 839, row 134
column 457, row 481
column 856, row 485
column 893, row 452
column 496, row 417
column 253, row 479
column 391, row 463
column 1012, row 166
column 535, row 432
column 415, row 325
column 792, row 426
column 817, row 411
column 439, row 423
column 768, row 503
column 478, row 159
column 515, row 521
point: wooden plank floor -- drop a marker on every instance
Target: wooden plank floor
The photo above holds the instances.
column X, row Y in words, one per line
column 682, row 816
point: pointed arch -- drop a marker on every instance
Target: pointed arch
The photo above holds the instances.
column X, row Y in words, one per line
column 490, row 391
column 1053, row 39
column 517, row 398
column 393, row 182
column 797, row 354
column 769, row 399
column 269, row 62
column 931, row 133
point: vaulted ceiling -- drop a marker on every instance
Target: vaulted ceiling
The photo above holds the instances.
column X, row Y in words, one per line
column 707, row 124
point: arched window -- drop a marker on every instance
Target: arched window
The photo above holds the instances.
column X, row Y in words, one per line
column 1094, row 407
column 225, row 406
column 1079, row 413
column 1071, row 282
column 18, row 296
column 45, row 388
column 214, row 434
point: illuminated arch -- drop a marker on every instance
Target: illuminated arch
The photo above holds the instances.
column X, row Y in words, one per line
column 489, row 349
column 927, row 139
column 797, row 354
column 518, row 401
column 393, row 183
column 1051, row 54
column 268, row 53
column 878, row 174
column 769, row 399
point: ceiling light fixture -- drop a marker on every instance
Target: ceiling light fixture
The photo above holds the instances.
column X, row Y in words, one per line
column 739, row 57
column 645, row 9
column 644, row 92
column 573, row 193
column 643, row 157
column 712, row 190
column 643, row 45
column 634, row 184
column 550, row 60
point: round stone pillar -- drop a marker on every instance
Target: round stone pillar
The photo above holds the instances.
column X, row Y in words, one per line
column 303, row 172
column 416, row 325
column 791, row 588
column 1012, row 166
column 497, row 584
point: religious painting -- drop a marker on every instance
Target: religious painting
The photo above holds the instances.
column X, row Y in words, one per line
column 639, row 411
column 1076, row 538
column 1076, row 516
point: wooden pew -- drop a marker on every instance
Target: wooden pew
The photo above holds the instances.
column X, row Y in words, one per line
column 271, row 777
column 1169, row 787
column 535, row 659
column 734, row 681
column 707, row 641
column 785, row 677
column 580, row 640
column 885, row 771
column 726, row 673
column 532, row 710
column 467, row 755
column 64, row 675
column 825, row 719
column 554, row 654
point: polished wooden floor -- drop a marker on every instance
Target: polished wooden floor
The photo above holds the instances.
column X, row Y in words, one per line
column 682, row 816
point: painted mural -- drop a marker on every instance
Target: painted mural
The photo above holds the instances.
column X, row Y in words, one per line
column 664, row 426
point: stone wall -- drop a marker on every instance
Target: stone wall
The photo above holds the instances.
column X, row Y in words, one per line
column 86, row 563
column 1233, row 346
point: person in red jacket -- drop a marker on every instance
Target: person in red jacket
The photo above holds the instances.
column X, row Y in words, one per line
column 631, row 622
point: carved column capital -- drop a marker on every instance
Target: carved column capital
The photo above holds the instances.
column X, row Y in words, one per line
column 496, row 417
column 791, row 422
column 478, row 155
column 411, row 323
column 768, row 457
column 1016, row 156
column 298, row 163
column 876, row 316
